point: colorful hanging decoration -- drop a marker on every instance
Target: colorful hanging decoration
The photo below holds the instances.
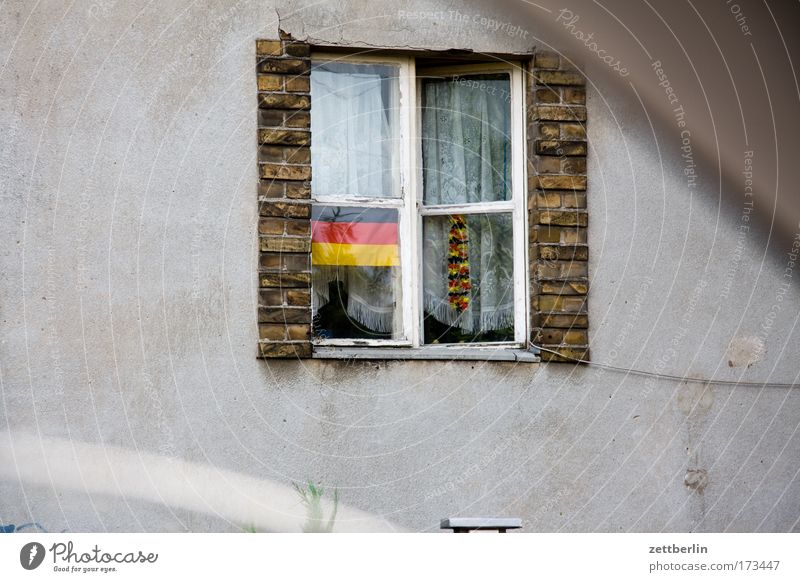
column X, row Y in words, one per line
column 458, row 282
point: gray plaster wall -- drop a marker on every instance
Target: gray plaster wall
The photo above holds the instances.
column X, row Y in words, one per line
column 129, row 292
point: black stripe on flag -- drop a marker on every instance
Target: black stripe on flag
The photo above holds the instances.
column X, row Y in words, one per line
column 352, row 214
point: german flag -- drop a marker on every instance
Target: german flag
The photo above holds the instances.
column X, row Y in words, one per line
column 360, row 237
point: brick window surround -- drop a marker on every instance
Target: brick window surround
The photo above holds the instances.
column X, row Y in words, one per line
column 557, row 217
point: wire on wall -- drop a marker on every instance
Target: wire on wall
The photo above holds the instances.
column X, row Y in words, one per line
column 667, row 376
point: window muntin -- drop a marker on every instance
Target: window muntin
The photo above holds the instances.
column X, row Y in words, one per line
column 494, row 213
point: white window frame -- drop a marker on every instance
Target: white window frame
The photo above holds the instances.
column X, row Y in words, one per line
column 411, row 209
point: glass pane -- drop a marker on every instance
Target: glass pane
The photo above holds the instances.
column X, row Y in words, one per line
column 355, row 130
column 466, row 139
column 355, row 266
column 468, row 278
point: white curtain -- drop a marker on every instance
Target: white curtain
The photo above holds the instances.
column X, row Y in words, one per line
column 353, row 124
column 467, row 159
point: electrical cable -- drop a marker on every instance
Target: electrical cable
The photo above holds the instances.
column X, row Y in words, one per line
column 666, row 376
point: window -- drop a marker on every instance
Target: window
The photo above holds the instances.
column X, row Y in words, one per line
column 418, row 212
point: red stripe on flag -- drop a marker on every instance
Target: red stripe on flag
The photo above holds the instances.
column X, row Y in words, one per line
column 354, row 233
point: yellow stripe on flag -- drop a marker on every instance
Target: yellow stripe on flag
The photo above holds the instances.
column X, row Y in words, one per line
column 348, row 255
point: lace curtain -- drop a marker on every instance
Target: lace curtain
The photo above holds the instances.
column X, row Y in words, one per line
column 368, row 296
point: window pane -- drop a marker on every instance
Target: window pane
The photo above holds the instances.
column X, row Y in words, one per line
column 468, row 278
column 355, row 260
column 466, row 139
column 355, row 147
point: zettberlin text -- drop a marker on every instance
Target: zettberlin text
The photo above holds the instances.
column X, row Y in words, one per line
column 673, row 549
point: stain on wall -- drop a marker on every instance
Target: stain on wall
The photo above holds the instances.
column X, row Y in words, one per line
column 744, row 351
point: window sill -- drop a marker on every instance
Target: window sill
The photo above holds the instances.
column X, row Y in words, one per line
column 427, row 353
